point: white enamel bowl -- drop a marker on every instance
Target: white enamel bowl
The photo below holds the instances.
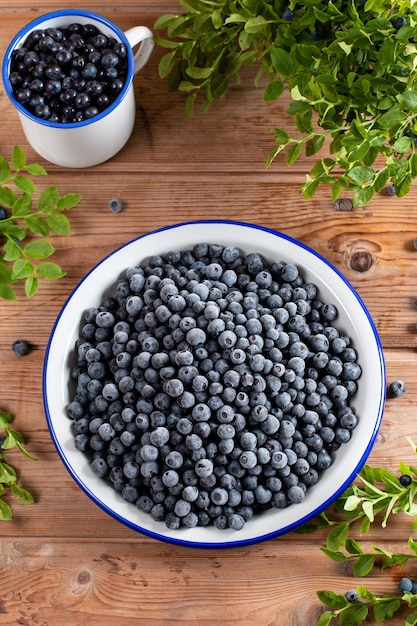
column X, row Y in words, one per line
column 354, row 320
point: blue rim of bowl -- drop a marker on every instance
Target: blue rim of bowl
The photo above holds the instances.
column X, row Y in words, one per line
column 19, row 39
column 260, row 538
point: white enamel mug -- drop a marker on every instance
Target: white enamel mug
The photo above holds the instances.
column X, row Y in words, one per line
column 92, row 141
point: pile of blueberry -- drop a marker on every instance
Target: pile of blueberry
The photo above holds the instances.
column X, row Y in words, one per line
column 212, row 386
column 70, row 74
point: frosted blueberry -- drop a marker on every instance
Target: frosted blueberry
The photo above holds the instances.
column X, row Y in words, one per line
column 204, row 468
column 296, row 494
column 352, row 596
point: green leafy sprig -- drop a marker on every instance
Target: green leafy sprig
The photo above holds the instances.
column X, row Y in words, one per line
column 348, row 65
column 354, row 613
column 8, row 475
column 29, row 217
column 376, row 496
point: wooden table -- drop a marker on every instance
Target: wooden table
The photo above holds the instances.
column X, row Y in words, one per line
column 63, row 560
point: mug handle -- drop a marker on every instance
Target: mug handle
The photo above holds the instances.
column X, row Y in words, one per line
column 144, row 36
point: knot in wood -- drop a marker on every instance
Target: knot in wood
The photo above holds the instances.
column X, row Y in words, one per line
column 83, row 578
column 361, row 261
column 344, row 204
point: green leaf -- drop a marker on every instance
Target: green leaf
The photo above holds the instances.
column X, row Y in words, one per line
column 273, row 90
column 24, row 183
column 363, row 565
column 283, row 62
column 310, row 187
column 411, row 620
column 368, row 509
column 22, row 206
column 410, row 598
column 365, row 594
column 413, row 165
column 412, row 545
column 18, row 158
column 12, row 250
column 337, row 188
column 21, row 269
column 352, row 546
column 59, row 223
column 325, row 618
column 7, row 473
column 360, row 152
column 49, row 270
column 217, row 19
column 5, row 418
column 48, row 199
column 354, row 614
column 5, row 172
column 5, row 511
column 392, row 119
column 7, row 197
column 337, row 537
column 199, row 73
column 361, row 174
column 164, row 20
column 352, row 503
column 255, row 24
column 68, row 201
column 39, row 249
column 35, row 170
column 381, row 179
column 404, row 468
column 9, row 442
column 24, row 451
column 303, row 123
column 332, row 600
column 293, row 153
column 314, row 145
column 403, row 186
column 167, row 63
column 187, row 86
column 387, row 52
column 334, row 555
column 362, row 196
column 394, row 561
column 408, row 100
column 31, row 286
column 389, row 479
column 281, row 136
column 403, row 145
column 383, row 610
column 37, row 225
column 6, row 292
column 190, row 105
column 22, row 494
column 347, row 48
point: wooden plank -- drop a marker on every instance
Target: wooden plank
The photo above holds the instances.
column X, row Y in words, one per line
column 147, row 583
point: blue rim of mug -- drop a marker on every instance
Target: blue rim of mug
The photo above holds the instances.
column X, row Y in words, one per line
column 20, row 37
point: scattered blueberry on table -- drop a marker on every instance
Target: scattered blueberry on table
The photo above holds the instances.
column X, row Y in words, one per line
column 115, row 205
column 397, row 388
column 20, row 347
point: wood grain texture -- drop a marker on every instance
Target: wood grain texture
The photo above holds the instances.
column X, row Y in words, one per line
column 63, row 560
